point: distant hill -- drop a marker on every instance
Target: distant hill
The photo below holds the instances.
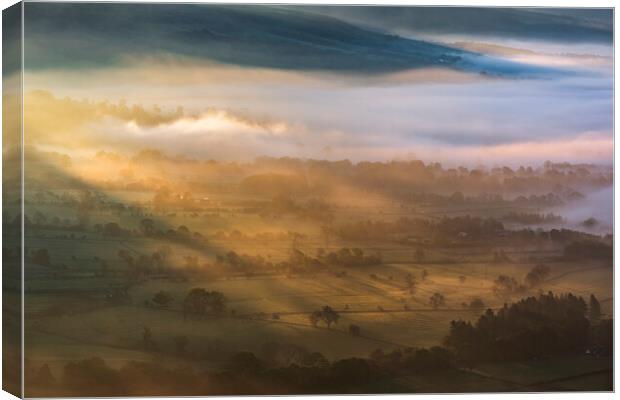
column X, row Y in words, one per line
column 73, row 35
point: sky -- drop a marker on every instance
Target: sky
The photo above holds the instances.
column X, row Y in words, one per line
column 493, row 86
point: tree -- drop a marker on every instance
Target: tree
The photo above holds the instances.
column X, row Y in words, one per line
column 93, row 377
column 44, row 376
column 410, row 282
column 183, row 231
column 164, row 252
column 583, row 249
column 147, row 227
column 476, row 304
column 113, row 229
column 326, row 314
column 330, row 316
column 162, row 299
column 125, row 256
column 354, row 330
column 147, row 338
column 39, row 219
column 180, row 344
column 315, row 317
column 505, row 287
column 437, row 300
column 41, row 257
column 245, row 362
column 199, row 302
column 594, row 309
column 420, row 255
column 537, row 275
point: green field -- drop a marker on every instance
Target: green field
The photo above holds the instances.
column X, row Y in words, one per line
column 93, row 269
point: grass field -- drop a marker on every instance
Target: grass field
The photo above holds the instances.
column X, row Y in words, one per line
column 68, row 317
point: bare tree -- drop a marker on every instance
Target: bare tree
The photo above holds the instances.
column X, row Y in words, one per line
column 437, row 300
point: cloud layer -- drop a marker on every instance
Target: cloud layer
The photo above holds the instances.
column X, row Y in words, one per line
column 241, row 82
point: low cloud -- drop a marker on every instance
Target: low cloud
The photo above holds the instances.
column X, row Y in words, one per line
column 52, row 120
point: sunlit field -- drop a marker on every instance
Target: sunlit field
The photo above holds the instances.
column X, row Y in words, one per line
column 93, row 276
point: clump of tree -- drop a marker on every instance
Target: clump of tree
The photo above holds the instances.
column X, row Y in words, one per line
column 302, row 262
column 476, row 304
column 200, row 302
column 537, row 275
column 473, row 227
column 437, row 300
column 182, row 233
column 590, row 223
column 505, row 287
column 314, row 209
column 147, row 339
column 588, row 249
column 568, row 235
column 382, row 230
column 602, row 338
column 41, row 257
column 162, row 299
column 415, row 360
column 243, row 263
column 278, row 354
column 113, row 229
column 532, row 218
column 594, row 310
column 354, row 257
column 355, row 330
column 547, row 325
column 410, row 282
column 164, row 199
column 326, row 315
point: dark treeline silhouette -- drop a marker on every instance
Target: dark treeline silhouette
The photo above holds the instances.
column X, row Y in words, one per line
column 447, row 230
column 532, row 218
column 543, row 326
column 534, row 327
column 312, row 209
column 279, row 369
column 298, row 262
column 346, row 257
column 589, row 249
column 441, row 229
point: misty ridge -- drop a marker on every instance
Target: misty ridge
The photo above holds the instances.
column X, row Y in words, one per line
column 552, row 184
column 341, row 39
